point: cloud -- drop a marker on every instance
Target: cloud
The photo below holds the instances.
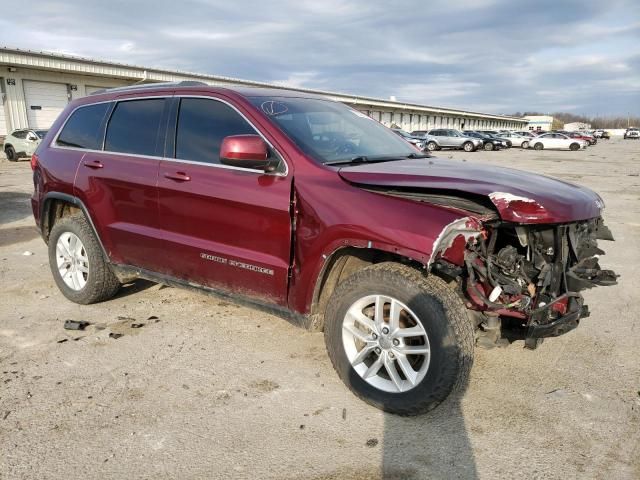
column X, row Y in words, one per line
column 493, row 55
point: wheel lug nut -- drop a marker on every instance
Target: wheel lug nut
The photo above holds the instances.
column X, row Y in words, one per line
column 378, row 351
column 396, row 342
column 375, row 336
column 391, row 355
column 385, row 330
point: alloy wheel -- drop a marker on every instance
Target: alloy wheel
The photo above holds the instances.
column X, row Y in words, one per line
column 72, row 261
column 386, row 343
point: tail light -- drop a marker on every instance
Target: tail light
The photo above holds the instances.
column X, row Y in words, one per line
column 34, row 161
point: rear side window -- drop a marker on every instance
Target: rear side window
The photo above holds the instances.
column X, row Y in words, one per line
column 202, row 124
column 134, row 126
column 82, row 130
column 20, row 134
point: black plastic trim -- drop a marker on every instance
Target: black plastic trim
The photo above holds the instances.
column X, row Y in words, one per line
column 74, row 201
column 295, row 318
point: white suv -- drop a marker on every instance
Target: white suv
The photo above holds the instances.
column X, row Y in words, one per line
column 22, row 143
column 632, row 133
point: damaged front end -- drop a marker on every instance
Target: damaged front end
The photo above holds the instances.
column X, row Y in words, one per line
column 523, row 280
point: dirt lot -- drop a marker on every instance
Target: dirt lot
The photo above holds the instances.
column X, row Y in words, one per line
column 212, row 390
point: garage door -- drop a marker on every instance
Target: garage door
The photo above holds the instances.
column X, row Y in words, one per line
column 45, row 101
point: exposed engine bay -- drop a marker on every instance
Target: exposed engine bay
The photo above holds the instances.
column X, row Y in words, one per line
column 527, row 277
column 519, row 264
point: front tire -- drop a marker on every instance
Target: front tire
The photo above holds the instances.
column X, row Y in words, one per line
column 432, row 146
column 525, row 145
column 468, row 147
column 78, row 265
column 10, row 153
column 488, row 146
column 538, row 146
column 400, row 341
column 574, row 147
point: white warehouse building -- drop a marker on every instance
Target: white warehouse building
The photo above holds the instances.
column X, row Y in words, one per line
column 36, row 86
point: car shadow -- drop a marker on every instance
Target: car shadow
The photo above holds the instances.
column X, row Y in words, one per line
column 133, row 287
column 15, row 206
column 432, row 445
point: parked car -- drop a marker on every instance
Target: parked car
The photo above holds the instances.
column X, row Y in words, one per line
column 602, row 134
column 557, row 141
column 448, row 138
column 516, row 139
column 309, row 209
column 495, row 134
column 419, row 142
column 488, row 143
column 632, row 133
column 590, row 139
column 22, row 143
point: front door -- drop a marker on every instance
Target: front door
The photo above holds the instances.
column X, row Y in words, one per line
column 224, row 227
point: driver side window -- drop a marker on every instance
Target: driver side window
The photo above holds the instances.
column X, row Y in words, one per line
column 202, row 124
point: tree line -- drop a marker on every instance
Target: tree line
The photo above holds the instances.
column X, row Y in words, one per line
column 596, row 122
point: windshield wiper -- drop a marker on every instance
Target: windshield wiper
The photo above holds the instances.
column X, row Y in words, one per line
column 354, row 160
column 365, row 159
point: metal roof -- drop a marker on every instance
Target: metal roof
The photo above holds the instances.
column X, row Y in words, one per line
column 88, row 66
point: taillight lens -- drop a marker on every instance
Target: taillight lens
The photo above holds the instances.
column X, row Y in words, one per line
column 34, row 161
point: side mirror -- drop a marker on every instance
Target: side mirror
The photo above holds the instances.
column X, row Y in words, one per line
column 246, row 151
column 31, row 137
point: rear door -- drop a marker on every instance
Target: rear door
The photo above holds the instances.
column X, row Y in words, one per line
column 224, row 227
column 440, row 136
column 118, row 183
column 552, row 140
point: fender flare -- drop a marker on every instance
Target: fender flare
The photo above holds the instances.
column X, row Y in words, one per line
column 76, row 202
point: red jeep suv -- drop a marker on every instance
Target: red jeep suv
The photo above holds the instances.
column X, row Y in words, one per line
column 311, row 209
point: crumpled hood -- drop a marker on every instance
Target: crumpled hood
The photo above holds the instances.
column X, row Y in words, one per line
column 519, row 196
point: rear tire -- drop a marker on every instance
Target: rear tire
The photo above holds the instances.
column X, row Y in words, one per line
column 538, row 146
column 432, row 146
column 468, row 147
column 434, row 306
column 574, row 147
column 10, row 153
column 98, row 283
column 488, row 146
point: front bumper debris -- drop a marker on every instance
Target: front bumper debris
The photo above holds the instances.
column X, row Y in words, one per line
column 548, row 322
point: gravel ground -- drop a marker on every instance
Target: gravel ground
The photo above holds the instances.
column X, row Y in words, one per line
column 209, row 389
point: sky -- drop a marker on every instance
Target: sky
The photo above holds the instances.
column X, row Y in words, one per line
column 494, row 56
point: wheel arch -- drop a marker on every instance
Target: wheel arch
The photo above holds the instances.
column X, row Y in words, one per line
column 341, row 264
column 56, row 205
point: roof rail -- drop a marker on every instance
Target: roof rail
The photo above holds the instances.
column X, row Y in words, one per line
column 184, row 83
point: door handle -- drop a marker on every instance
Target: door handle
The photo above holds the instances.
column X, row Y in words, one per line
column 178, row 176
column 93, row 164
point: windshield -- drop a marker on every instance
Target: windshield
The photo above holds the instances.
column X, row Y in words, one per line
column 331, row 132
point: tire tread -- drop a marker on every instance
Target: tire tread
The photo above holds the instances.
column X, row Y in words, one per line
column 455, row 374
column 103, row 284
